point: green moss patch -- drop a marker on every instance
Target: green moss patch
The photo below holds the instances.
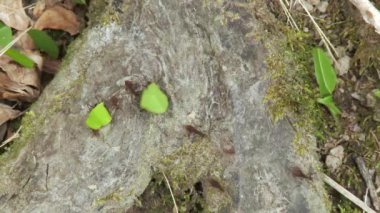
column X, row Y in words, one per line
column 194, row 174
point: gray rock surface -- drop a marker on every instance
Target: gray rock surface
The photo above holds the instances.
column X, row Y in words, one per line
column 202, row 55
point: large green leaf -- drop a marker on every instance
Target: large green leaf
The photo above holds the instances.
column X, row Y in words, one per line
column 324, row 71
column 98, row 117
column 329, row 103
column 154, row 100
column 20, row 58
column 44, row 42
column 5, row 39
column 5, row 35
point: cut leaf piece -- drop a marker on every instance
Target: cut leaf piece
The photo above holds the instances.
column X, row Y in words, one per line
column 154, row 100
column 44, row 42
column 324, row 72
column 98, row 117
column 329, row 103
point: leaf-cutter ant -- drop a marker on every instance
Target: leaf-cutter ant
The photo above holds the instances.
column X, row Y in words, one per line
column 192, row 130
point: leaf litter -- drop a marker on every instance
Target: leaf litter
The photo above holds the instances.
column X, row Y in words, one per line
column 31, row 52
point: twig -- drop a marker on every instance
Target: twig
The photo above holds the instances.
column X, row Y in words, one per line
column 289, row 15
column 369, row 12
column 14, row 136
column 347, row 194
column 171, row 192
column 6, row 48
column 326, row 41
column 368, row 180
column 366, row 200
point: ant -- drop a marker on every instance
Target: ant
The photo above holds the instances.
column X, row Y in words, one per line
column 192, row 130
column 297, row 172
column 130, row 86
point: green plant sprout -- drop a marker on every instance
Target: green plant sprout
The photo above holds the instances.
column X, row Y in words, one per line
column 326, row 79
column 329, row 103
column 154, row 100
column 98, row 117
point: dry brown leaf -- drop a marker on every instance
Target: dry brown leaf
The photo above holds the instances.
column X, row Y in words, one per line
column 17, row 82
column 39, row 9
column 58, row 18
column 14, row 91
column 7, row 113
column 21, row 75
column 3, row 130
column 13, row 14
column 25, row 42
column 36, row 57
column 51, row 66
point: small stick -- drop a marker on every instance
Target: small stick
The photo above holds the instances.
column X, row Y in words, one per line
column 347, row 194
column 171, row 193
column 8, row 46
column 368, row 180
column 14, row 136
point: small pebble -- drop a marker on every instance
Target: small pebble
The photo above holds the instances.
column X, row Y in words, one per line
column 335, row 158
column 322, row 6
column 343, row 65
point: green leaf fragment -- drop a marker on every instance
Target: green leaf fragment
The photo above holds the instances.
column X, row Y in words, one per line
column 44, row 42
column 98, row 117
column 154, row 100
column 329, row 103
column 324, row 72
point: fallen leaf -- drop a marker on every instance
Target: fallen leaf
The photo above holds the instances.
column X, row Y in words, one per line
column 51, row 66
column 21, row 75
column 13, row 14
column 3, row 130
column 25, row 42
column 36, row 57
column 19, row 83
column 58, row 18
column 14, row 91
column 7, row 113
column 39, row 9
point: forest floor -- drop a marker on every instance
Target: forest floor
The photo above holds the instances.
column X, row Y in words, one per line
column 355, row 135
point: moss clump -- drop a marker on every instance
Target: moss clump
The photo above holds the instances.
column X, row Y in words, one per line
column 190, row 163
column 189, row 170
column 293, row 89
column 113, row 196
